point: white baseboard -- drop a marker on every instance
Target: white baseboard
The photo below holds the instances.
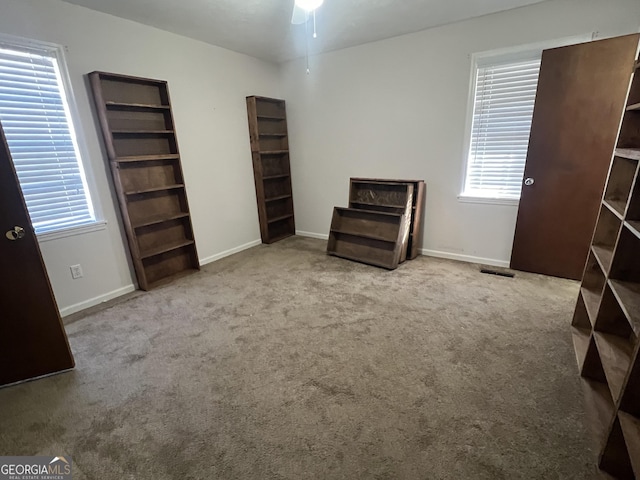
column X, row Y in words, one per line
column 92, row 302
column 430, row 253
column 465, row 258
column 231, row 251
column 320, row 236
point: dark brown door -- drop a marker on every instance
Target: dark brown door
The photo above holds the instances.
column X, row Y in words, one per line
column 579, row 103
column 32, row 339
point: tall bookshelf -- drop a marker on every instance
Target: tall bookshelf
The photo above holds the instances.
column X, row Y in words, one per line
column 271, row 170
column 606, row 322
column 137, row 126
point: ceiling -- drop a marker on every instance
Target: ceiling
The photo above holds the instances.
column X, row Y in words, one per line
column 262, row 28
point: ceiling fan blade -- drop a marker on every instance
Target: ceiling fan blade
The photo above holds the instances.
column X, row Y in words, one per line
column 299, row 15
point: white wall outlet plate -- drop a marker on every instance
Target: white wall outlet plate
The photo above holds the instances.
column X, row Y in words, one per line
column 76, row 271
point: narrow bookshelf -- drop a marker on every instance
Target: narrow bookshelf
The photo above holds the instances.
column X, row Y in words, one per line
column 271, row 170
column 138, row 130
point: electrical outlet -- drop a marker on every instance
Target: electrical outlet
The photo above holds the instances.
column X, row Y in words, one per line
column 76, row 271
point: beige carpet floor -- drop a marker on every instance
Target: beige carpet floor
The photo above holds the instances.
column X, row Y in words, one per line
column 281, row 362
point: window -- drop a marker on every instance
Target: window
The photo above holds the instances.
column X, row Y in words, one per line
column 504, row 92
column 35, row 116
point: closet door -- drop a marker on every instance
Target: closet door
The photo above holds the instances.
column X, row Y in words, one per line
column 32, row 339
column 579, row 105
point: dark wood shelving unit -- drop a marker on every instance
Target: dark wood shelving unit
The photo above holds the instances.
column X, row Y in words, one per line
column 139, row 134
column 386, row 197
column 271, row 169
column 380, row 195
column 382, row 225
column 371, row 237
column 606, row 322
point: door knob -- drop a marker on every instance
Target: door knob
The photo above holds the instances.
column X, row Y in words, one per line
column 529, row 181
column 16, row 233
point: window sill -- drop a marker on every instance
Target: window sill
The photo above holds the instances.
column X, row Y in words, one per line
column 73, row 231
column 489, row 200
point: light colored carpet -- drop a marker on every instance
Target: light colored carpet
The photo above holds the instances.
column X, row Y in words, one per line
column 281, row 362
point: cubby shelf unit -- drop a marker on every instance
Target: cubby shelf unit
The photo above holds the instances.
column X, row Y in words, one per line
column 606, row 322
column 139, row 135
column 271, row 170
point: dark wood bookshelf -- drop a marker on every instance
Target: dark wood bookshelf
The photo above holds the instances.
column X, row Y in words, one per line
column 137, row 126
column 367, row 236
column 271, row 170
column 370, row 194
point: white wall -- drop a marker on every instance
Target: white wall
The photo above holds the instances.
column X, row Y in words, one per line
column 208, row 86
column 397, row 109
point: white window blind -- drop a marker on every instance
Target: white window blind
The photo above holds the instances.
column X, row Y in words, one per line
column 504, row 99
column 35, row 117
